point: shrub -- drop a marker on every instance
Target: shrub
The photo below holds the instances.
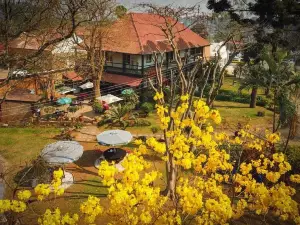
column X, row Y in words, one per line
column 142, row 123
column 155, row 129
column 73, row 109
column 293, row 157
column 78, row 125
column 49, row 110
column 233, row 96
column 131, row 99
column 261, row 113
column 97, row 107
column 147, row 107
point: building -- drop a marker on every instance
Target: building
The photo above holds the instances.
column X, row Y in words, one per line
column 17, row 105
column 132, row 41
column 58, row 57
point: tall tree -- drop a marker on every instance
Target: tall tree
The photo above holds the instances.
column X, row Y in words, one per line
column 96, row 35
column 277, row 21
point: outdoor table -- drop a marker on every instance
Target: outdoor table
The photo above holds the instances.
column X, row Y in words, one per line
column 114, row 154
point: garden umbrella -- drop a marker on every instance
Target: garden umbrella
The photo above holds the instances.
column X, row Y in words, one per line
column 62, row 152
column 64, row 101
column 127, row 91
column 114, row 137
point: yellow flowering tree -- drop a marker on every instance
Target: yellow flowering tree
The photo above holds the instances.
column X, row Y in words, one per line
column 211, row 184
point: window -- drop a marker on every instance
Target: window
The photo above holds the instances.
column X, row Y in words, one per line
column 193, row 51
column 108, row 57
column 198, row 50
column 148, row 58
column 170, row 56
column 127, row 59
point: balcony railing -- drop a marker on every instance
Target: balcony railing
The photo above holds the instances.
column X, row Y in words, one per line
column 138, row 71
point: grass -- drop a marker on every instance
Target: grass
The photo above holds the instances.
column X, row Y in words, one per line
column 233, row 113
column 20, row 144
column 233, row 84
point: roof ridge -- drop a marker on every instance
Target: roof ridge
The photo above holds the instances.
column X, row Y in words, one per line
column 137, row 34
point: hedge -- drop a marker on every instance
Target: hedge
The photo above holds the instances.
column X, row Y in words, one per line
column 233, row 96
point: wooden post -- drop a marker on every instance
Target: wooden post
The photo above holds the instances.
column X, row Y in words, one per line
column 167, row 59
column 142, row 65
column 124, row 62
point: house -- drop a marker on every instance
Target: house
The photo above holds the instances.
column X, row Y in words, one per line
column 17, row 105
column 224, row 53
column 133, row 40
column 58, row 56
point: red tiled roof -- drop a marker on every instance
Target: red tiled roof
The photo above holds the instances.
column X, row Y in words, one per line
column 121, row 79
column 139, row 33
column 71, row 75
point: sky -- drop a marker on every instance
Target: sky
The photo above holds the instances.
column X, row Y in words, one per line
column 130, row 3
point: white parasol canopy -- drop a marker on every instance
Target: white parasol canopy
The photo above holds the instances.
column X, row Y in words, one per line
column 114, row 137
column 109, row 98
column 87, row 85
column 62, row 152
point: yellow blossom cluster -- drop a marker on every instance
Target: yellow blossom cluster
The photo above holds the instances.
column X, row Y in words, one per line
column 91, row 209
column 55, row 218
column 57, row 181
column 295, row 178
column 24, row 195
column 12, row 205
column 43, row 190
column 107, row 173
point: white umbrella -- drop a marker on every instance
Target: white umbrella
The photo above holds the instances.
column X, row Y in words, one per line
column 62, row 152
column 109, row 98
column 114, row 137
column 87, row 85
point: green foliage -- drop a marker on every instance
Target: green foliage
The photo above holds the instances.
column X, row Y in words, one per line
column 147, row 107
column 119, row 115
column 293, row 157
column 147, row 95
column 155, row 129
column 73, row 109
column 120, row 11
column 142, row 123
column 78, row 125
column 49, row 109
column 233, row 96
column 97, row 107
column 131, row 99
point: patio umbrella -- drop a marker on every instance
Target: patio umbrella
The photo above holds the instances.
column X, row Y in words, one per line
column 64, row 101
column 62, row 152
column 114, row 137
column 127, row 91
column 87, row 85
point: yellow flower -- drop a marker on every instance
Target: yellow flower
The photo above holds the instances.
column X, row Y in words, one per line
column 158, row 96
column 295, row 178
column 273, row 176
column 273, row 138
column 24, row 195
column 184, row 97
column 138, row 142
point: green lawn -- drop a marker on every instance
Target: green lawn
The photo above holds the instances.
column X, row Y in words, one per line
column 233, row 84
column 22, row 144
column 233, row 113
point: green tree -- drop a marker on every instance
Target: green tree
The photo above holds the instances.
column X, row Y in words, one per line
column 254, row 76
column 120, row 11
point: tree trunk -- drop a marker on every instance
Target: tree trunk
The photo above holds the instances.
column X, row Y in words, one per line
column 253, row 97
column 97, row 92
column 171, row 177
column 267, row 91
